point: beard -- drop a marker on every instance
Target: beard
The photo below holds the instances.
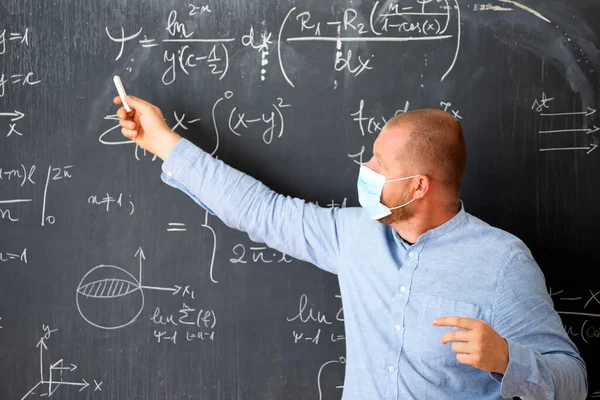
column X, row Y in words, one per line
column 401, row 214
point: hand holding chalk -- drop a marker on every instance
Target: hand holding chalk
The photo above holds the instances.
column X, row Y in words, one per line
column 145, row 125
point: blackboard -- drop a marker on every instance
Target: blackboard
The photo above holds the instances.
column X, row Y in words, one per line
column 292, row 93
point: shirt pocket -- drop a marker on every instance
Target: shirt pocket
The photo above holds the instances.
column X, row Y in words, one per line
column 432, row 307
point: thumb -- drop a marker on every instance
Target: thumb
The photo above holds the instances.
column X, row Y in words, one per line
column 141, row 106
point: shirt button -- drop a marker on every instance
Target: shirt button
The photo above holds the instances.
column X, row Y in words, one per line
column 391, row 369
column 398, row 328
column 403, row 289
column 170, row 174
column 411, row 254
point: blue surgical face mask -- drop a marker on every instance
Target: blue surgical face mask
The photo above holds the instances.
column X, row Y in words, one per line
column 370, row 185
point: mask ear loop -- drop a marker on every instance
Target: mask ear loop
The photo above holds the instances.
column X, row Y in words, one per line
column 405, row 204
column 402, row 179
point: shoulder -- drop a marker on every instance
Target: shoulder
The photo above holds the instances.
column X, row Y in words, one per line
column 489, row 236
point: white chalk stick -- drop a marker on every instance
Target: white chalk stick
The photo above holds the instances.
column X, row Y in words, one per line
column 121, row 91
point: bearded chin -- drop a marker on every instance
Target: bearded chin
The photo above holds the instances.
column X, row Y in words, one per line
column 399, row 215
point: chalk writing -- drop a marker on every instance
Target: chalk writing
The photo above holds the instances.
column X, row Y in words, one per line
column 262, row 46
column 23, row 174
column 310, row 315
column 334, row 204
column 540, row 105
column 424, row 25
column 18, row 37
column 550, row 135
column 328, row 365
column 107, row 200
column 586, row 306
column 435, row 21
column 51, row 379
column 116, row 139
column 20, row 257
column 188, row 319
column 373, row 125
column 257, row 254
column 239, row 122
column 111, row 282
column 24, row 79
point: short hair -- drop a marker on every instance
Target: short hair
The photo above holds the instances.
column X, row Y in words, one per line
column 435, row 146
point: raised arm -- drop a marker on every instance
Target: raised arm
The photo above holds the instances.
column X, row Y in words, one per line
column 304, row 231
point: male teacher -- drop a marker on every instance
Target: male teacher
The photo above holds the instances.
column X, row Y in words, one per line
column 437, row 303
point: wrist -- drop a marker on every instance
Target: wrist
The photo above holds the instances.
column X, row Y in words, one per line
column 167, row 144
column 505, row 358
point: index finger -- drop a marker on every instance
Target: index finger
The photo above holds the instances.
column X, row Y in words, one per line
column 117, row 100
column 459, row 322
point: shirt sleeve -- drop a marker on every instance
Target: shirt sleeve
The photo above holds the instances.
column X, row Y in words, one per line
column 302, row 230
column 543, row 361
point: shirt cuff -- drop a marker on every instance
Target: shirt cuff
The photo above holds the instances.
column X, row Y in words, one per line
column 517, row 372
column 179, row 165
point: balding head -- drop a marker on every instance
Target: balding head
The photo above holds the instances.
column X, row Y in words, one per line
column 435, row 146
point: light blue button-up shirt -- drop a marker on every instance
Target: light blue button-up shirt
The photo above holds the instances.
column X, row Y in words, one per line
column 392, row 291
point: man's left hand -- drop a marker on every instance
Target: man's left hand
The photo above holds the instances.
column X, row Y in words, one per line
column 477, row 344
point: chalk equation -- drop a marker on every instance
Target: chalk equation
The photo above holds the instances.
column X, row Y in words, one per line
column 105, row 201
column 568, row 132
column 17, row 257
column 16, row 38
column 270, row 124
column 16, row 79
column 587, row 306
column 257, row 254
column 424, row 21
column 315, row 319
column 112, row 136
column 198, row 325
column 24, row 175
column 57, row 374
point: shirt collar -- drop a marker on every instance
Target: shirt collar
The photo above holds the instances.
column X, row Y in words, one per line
column 447, row 226
column 441, row 230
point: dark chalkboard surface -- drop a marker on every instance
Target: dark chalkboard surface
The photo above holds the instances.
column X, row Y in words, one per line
column 116, row 286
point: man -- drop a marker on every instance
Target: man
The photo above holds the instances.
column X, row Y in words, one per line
column 437, row 304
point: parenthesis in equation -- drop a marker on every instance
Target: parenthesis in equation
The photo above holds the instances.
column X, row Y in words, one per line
column 279, row 47
column 447, row 17
column 226, row 61
column 582, row 335
column 24, row 175
column 371, row 19
column 458, row 39
column 214, row 319
column 439, row 27
column 425, row 27
column 230, row 118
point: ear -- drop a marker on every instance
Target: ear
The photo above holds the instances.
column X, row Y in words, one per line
column 421, row 183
